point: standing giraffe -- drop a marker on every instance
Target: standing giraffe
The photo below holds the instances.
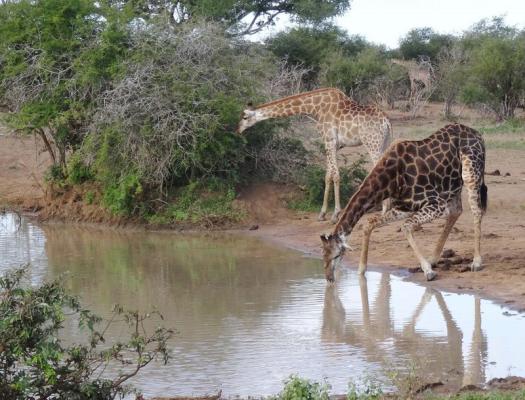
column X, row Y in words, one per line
column 341, row 122
column 423, row 179
column 417, row 72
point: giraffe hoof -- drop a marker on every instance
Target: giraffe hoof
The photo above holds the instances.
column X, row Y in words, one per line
column 321, row 216
column 475, row 267
column 335, row 217
column 430, row 275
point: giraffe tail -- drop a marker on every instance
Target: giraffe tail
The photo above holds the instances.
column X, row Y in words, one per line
column 483, row 196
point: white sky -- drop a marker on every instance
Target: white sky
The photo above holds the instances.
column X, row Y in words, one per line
column 386, row 21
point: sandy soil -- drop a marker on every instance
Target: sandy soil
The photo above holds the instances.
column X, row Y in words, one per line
column 22, row 167
column 503, row 243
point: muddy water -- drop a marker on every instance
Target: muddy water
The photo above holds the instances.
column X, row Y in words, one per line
column 249, row 314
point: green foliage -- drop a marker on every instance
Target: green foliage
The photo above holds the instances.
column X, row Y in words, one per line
column 206, row 202
column 123, row 196
column 369, row 390
column 175, row 120
column 56, row 56
column 251, row 16
column 313, row 183
column 495, row 73
column 89, row 197
column 354, row 75
column 424, row 42
column 296, row 388
column 77, row 171
column 34, row 363
column 54, row 174
column 511, row 125
column 310, row 47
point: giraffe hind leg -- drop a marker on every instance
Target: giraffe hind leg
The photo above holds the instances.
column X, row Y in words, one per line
column 426, row 214
column 472, row 174
column 455, row 209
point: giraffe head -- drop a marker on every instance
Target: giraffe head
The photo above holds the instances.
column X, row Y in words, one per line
column 334, row 248
column 248, row 118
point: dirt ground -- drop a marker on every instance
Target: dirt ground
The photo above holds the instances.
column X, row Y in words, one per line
column 503, row 243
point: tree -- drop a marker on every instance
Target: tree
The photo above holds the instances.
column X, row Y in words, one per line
column 423, row 42
column 496, row 54
column 242, row 17
column 354, row 75
column 55, row 56
column 309, row 47
column 451, row 75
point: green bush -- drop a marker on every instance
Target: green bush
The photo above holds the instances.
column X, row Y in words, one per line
column 77, row 171
column 296, row 388
column 35, row 363
column 207, row 202
column 312, row 182
column 122, row 197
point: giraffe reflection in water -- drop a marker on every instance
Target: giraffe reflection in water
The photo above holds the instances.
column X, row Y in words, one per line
column 384, row 344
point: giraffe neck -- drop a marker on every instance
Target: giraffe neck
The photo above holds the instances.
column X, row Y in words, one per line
column 312, row 103
column 371, row 193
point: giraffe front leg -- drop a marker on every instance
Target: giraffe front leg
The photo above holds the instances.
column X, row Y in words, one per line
column 337, row 200
column 327, row 183
column 374, row 222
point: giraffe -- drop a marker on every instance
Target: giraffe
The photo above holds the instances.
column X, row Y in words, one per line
column 417, row 72
column 423, row 180
column 340, row 121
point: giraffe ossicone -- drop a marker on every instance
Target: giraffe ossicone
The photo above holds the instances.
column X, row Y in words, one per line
column 423, row 180
column 341, row 123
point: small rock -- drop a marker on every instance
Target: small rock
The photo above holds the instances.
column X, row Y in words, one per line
column 456, row 260
column 507, row 174
column 444, row 264
column 470, row 388
column 496, row 172
column 253, row 227
column 447, row 253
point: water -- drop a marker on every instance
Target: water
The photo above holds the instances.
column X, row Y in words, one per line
column 249, row 314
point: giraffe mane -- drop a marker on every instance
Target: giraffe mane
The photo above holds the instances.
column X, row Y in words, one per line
column 295, row 96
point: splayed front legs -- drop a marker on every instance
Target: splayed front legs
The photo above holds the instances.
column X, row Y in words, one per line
column 374, row 222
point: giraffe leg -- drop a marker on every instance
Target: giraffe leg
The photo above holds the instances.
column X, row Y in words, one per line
column 374, row 222
column 455, row 211
column 327, row 184
column 337, row 200
column 477, row 193
column 426, row 214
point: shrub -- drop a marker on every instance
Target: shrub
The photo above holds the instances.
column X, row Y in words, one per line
column 207, row 202
column 123, row 196
column 312, row 182
column 172, row 117
column 296, row 388
column 77, row 171
column 36, row 364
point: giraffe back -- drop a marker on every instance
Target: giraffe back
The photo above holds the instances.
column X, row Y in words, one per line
column 431, row 170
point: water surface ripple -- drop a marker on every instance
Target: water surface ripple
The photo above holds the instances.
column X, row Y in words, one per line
column 249, row 314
